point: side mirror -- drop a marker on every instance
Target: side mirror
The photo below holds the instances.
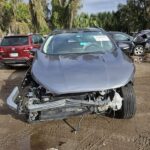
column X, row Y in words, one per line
column 125, row 47
column 128, row 39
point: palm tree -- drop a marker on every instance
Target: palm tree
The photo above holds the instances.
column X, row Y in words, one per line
column 38, row 16
column 64, row 12
column 73, row 8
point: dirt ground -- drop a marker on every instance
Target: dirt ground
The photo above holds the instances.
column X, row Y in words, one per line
column 96, row 132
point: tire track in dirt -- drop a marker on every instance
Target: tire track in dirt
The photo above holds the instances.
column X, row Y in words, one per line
column 11, row 139
column 89, row 141
column 143, row 141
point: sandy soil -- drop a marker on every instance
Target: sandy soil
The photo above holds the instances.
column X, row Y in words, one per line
column 96, row 133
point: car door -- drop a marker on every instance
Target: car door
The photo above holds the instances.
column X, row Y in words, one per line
column 147, row 46
column 123, row 39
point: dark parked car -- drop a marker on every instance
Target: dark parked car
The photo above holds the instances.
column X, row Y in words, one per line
column 16, row 49
column 76, row 72
column 123, row 38
column 0, row 40
column 142, row 43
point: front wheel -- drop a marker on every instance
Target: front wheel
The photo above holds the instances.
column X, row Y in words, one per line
column 139, row 50
column 128, row 108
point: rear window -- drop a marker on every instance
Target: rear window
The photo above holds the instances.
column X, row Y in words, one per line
column 15, row 41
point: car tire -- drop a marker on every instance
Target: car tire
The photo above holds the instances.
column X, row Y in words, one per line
column 139, row 50
column 128, row 108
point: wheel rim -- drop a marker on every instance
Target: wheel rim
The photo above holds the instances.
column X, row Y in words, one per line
column 139, row 50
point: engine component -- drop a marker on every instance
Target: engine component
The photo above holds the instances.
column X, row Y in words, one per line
column 44, row 106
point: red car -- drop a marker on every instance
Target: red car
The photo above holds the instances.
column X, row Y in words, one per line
column 15, row 49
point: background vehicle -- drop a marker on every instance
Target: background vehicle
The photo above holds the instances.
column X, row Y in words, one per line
column 15, row 49
column 123, row 38
column 142, row 43
column 0, row 40
column 76, row 72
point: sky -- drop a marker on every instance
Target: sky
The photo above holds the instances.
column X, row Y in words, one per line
column 94, row 6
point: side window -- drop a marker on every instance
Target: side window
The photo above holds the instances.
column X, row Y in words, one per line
column 120, row 37
column 35, row 39
column 148, row 35
column 41, row 40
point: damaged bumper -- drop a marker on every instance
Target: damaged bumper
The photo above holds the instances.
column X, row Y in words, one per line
column 60, row 108
column 115, row 103
column 12, row 98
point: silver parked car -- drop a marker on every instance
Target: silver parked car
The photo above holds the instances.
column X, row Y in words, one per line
column 76, row 72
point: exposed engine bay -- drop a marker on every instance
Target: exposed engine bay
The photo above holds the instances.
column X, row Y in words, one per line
column 38, row 104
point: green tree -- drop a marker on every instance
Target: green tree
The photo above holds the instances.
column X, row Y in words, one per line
column 134, row 16
column 38, row 16
column 15, row 16
column 74, row 5
column 82, row 21
column 64, row 12
column 5, row 15
column 22, row 18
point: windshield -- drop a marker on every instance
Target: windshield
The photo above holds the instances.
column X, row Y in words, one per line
column 80, row 42
column 15, row 41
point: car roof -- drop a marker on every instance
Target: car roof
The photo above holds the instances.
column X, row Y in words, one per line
column 144, row 32
column 18, row 35
column 14, row 35
column 111, row 32
column 77, row 30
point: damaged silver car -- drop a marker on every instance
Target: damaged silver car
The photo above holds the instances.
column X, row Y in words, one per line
column 76, row 72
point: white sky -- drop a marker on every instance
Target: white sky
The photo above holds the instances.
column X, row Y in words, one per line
column 94, row 6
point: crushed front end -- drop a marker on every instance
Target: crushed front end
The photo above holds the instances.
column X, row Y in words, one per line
column 39, row 104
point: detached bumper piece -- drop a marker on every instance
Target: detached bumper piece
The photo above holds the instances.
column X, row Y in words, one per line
column 12, row 98
column 48, row 111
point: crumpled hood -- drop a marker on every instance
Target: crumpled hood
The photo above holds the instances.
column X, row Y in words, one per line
column 75, row 73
